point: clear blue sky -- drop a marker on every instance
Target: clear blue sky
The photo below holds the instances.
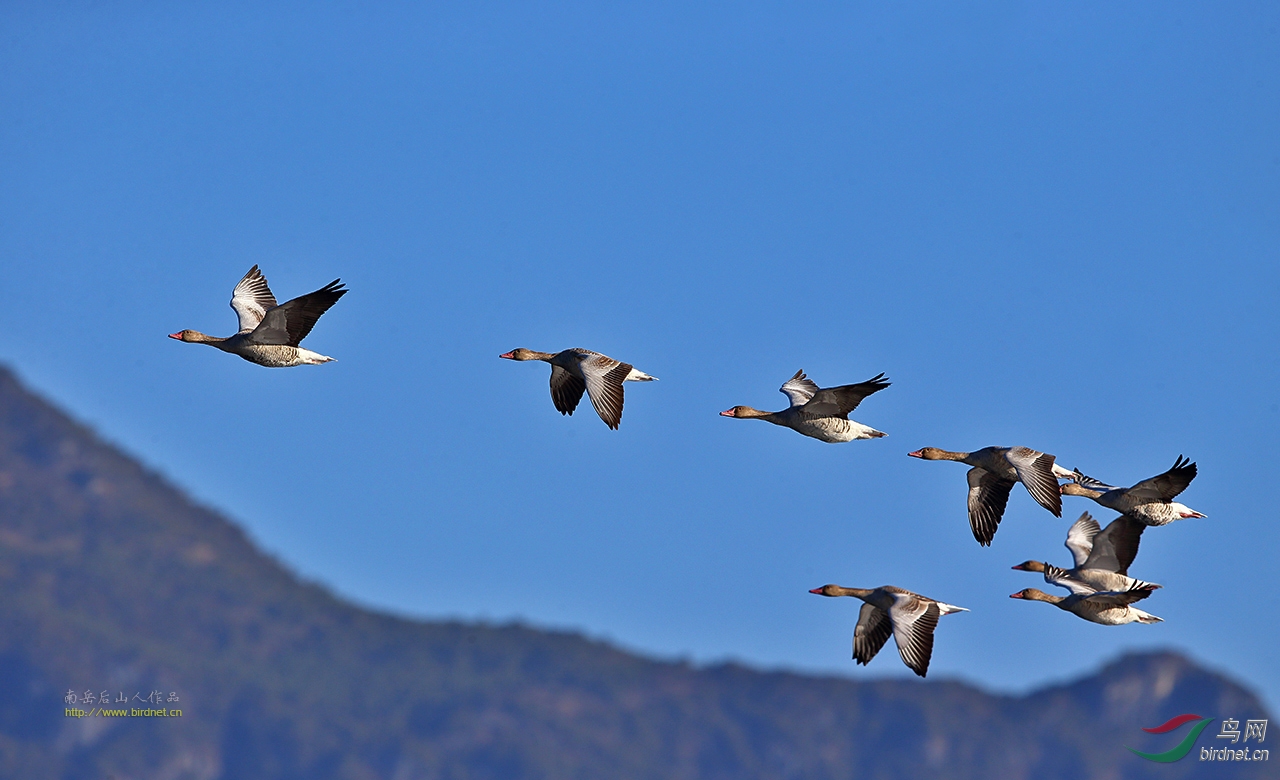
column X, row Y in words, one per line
column 1051, row 225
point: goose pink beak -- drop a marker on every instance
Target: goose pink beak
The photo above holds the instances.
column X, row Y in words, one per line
column 177, row 335
column 729, row 413
column 817, row 591
column 1017, row 595
column 507, row 355
column 916, row 454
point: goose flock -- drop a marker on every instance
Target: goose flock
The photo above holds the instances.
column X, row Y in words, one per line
column 1099, row 585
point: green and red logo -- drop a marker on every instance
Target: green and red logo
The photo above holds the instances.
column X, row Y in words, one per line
column 1183, row 747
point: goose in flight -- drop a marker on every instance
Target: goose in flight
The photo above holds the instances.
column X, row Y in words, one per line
column 575, row 371
column 1108, row 608
column 1102, row 557
column 1149, row 502
column 822, row 413
column 995, row 471
column 909, row 617
column 270, row 334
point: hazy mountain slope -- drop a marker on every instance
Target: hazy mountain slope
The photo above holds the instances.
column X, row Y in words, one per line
column 113, row 580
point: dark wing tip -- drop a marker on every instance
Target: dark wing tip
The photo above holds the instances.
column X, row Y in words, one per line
column 984, row 530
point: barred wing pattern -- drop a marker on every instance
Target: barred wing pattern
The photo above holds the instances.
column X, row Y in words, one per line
column 252, row 299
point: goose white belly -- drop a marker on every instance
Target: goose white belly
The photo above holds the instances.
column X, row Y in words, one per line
column 832, row 430
column 1148, row 512
column 1162, row 514
column 278, row 355
column 1119, row 616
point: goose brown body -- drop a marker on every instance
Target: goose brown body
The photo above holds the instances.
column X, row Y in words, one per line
column 575, row 371
column 270, row 334
column 1109, row 609
column 909, row 617
column 995, row 471
column 820, row 413
column 1102, row 557
column 1149, row 502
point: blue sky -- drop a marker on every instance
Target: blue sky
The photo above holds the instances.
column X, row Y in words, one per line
column 1051, row 226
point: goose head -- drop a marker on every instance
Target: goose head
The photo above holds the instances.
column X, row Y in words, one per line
column 1030, row 566
column 840, row 590
column 192, row 337
column 1031, row 594
column 1075, row 489
column 521, row 354
column 933, row 453
column 743, row 412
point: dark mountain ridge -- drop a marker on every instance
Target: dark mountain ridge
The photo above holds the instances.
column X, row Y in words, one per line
column 115, row 581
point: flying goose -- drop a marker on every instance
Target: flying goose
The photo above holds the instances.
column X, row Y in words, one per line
column 994, row 473
column 1110, row 608
column 910, row 617
column 1150, row 501
column 270, row 335
column 574, row 371
column 822, row 413
column 1102, row 558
